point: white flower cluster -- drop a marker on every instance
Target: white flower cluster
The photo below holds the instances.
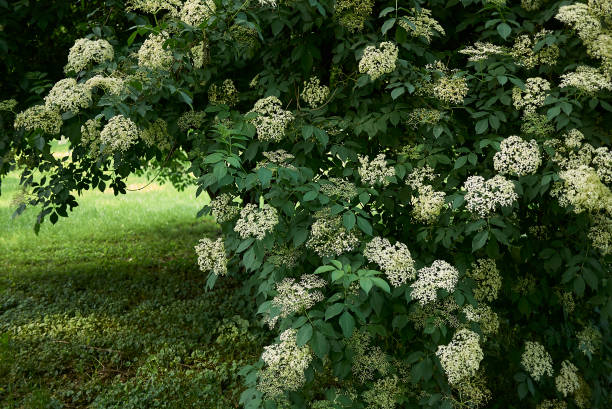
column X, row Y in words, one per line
column 586, row 79
column 256, row 222
column 226, row 94
column 90, row 136
column 338, row 187
column 484, row 316
column 85, row 51
column 267, row 3
column 367, row 359
column 536, row 360
column 111, row 85
column 384, row 393
column 294, row 297
column 152, row 53
column 154, row 6
column 40, row 117
column 196, row 12
column 200, row 54
column 352, row 13
column 603, row 162
column 211, row 256
column 571, row 152
column 440, row 275
column 422, row 116
column 394, row 259
column 461, row 358
column 156, row 134
column 417, row 178
column 481, row 51
column 533, row 96
column 223, row 208
column 450, row 89
column 488, row 279
column 582, row 189
column 568, row 381
column 329, row 237
column 191, row 120
column 600, row 234
column 8, row 104
column 524, row 54
column 428, row 205
column 422, row 24
column 286, row 363
column 378, row 61
column 314, row 94
column 580, row 19
column 375, row 172
column 485, row 196
column 66, row 95
column 119, row 134
column 272, row 120
column 589, row 339
column 280, row 158
column 552, row 403
column 517, row 157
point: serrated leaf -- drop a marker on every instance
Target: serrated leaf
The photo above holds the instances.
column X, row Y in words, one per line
column 333, row 310
column 479, row 240
column 303, row 335
column 347, row 323
column 504, row 30
column 319, row 344
column 348, row 220
column 324, row 269
column 387, row 26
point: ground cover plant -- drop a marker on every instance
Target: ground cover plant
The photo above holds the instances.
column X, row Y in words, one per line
column 417, row 193
column 109, row 310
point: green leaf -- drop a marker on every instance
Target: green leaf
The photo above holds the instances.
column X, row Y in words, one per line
column 333, row 310
column 397, row 92
column 579, row 286
column 387, row 26
column 364, row 225
column 303, row 335
column 364, row 197
column 366, row 284
column 319, row 344
column 324, row 269
column 482, row 126
column 460, row 162
column 310, row 195
column 348, row 219
column 347, row 323
column 479, row 240
column 245, row 244
column 504, row 30
column 553, row 112
column 382, row 284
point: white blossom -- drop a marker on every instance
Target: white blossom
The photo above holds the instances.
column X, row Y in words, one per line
column 394, row 259
column 211, row 256
column 67, row 95
column 485, row 196
column 461, row 358
column 517, row 157
column 375, row 172
column 378, row 61
column 272, row 120
column 536, row 361
column 85, row 51
column 567, row 382
column 440, row 275
column 119, row 133
column 256, row 222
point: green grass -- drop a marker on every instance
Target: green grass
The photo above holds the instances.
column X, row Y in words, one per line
column 107, row 309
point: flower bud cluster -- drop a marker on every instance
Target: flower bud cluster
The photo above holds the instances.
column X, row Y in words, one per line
column 488, row 279
column 119, row 134
column 68, row 96
column 394, row 259
column 226, row 94
column 152, row 53
column 377, row 61
column 536, row 361
column 196, row 12
column 422, row 24
column 40, row 117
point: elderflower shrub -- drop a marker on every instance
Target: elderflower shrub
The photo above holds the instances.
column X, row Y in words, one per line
column 68, row 96
column 461, row 358
column 86, row 51
column 492, row 162
column 378, row 61
column 536, row 360
column 517, row 157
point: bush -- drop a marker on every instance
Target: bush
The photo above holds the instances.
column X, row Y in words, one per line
column 418, row 195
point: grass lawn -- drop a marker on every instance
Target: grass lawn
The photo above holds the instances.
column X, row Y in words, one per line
column 107, row 308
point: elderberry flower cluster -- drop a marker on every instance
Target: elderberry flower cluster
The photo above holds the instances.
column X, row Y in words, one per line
column 580, row 19
column 461, row 358
column 152, row 53
column 154, row 6
column 481, row 51
column 439, row 276
column 329, row 237
column 42, row 117
column 517, row 157
column 484, row 316
column 421, row 116
column 285, row 365
column 156, row 134
column 85, row 51
column 603, row 162
column 367, row 359
column 536, row 360
column 552, row 404
column 600, row 234
column 589, row 340
column 68, row 96
column 377, row 61
column 427, row 205
column 421, row 24
column 90, row 136
column 226, row 94
column 314, row 94
column 375, row 172
column 352, row 13
column 586, row 79
column 200, row 54
column 272, row 120
column 294, row 297
column 110, row 85
column 484, row 196
column 119, row 134
column 582, row 189
column 211, row 256
column 417, row 178
column 340, row 188
column 196, row 12
column 394, row 259
column 533, row 96
column 488, row 280
column 383, row 394
column 450, row 89
column 568, row 381
column 525, row 56
column 8, row 104
column 256, row 222
column 191, row 120
column 278, row 158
